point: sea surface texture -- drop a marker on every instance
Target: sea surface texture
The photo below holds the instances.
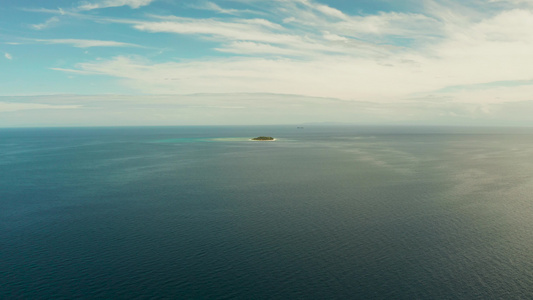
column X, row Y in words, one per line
column 323, row 212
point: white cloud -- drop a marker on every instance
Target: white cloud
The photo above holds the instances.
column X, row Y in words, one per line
column 85, row 43
column 324, row 9
column 252, row 48
column 73, row 71
column 513, row 1
column 311, row 16
column 239, row 108
column 340, row 77
column 244, row 30
column 325, row 52
column 307, row 48
column 11, row 106
column 114, row 3
column 459, row 60
column 494, row 49
column 59, row 11
column 46, row 24
column 262, row 32
column 215, row 7
column 8, row 56
column 334, row 37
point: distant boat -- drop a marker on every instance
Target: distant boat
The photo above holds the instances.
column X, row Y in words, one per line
column 299, row 127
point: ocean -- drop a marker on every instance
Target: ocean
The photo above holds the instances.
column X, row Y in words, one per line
column 323, row 212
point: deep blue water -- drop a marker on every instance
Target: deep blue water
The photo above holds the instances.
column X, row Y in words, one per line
column 323, row 213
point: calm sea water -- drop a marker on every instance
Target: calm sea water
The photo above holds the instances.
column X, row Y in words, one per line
column 323, row 213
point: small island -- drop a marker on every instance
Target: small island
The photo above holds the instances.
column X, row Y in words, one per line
column 264, row 138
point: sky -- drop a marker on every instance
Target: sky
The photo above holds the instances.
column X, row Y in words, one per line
column 238, row 62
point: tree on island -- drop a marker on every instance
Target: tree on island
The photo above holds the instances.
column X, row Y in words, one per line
column 263, row 138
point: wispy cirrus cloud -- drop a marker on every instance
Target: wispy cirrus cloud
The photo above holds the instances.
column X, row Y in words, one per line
column 12, row 107
column 214, row 7
column 51, row 21
column 346, row 78
column 515, row 2
column 79, row 43
column 246, row 108
column 113, row 3
column 263, row 36
column 310, row 48
column 74, row 71
column 259, row 30
column 8, row 56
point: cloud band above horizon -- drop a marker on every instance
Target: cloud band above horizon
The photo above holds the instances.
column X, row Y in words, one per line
column 470, row 53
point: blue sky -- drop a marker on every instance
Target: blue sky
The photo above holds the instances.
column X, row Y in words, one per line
column 165, row 62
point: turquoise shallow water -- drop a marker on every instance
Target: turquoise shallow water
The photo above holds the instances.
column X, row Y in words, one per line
column 324, row 212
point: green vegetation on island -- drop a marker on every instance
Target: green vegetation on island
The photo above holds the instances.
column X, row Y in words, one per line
column 263, row 138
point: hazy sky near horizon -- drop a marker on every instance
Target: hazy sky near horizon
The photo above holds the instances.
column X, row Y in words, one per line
column 179, row 62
